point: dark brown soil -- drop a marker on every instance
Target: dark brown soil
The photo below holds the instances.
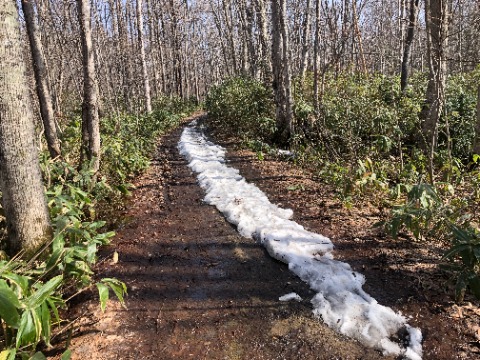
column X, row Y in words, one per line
column 197, row 290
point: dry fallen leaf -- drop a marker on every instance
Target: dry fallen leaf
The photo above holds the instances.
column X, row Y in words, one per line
column 457, row 312
column 115, row 258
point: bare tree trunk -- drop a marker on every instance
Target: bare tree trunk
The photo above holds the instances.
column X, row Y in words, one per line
column 281, row 73
column 246, row 67
column 218, row 25
column 460, row 36
column 359, row 36
column 316, row 57
column 124, row 57
column 245, row 63
column 346, row 31
column 160, row 45
column 177, row 52
column 437, row 37
column 287, row 74
column 264, row 40
column 476, row 144
column 23, row 199
column 186, row 70
column 153, row 49
column 249, row 11
column 412, row 23
column 277, row 66
column 141, row 44
column 163, row 69
column 305, row 41
column 195, row 79
column 41, row 80
column 402, row 11
column 228, row 14
column 114, row 70
column 90, row 117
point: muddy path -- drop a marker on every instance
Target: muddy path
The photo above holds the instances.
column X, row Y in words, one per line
column 198, row 290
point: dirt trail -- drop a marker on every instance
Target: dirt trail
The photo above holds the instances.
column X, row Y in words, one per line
column 197, row 290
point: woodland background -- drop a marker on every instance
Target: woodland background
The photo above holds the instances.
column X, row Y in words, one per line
column 379, row 98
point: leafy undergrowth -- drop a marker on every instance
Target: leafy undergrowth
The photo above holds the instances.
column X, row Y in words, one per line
column 366, row 141
column 34, row 290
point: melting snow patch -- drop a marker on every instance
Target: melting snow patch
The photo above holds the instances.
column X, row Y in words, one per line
column 285, row 153
column 340, row 300
column 291, row 296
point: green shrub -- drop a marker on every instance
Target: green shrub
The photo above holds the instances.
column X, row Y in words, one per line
column 32, row 290
column 426, row 213
column 366, row 140
column 460, row 111
column 364, row 116
column 242, row 107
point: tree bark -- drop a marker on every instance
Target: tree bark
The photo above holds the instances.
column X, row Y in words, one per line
column 437, row 38
column 305, row 41
column 264, row 41
column 141, row 44
column 249, row 12
column 244, row 38
column 476, row 144
column 316, row 57
column 228, row 15
column 123, row 52
column 412, row 23
column 177, row 51
column 41, row 80
column 402, row 14
column 346, row 35
column 281, row 74
column 153, row 50
column 90, row 117
column 359, row 37
column 287, row 73
column 23, row 197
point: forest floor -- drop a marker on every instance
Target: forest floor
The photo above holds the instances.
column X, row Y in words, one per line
column 198, row 290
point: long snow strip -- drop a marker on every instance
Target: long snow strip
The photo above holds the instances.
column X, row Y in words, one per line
column 340, row 300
